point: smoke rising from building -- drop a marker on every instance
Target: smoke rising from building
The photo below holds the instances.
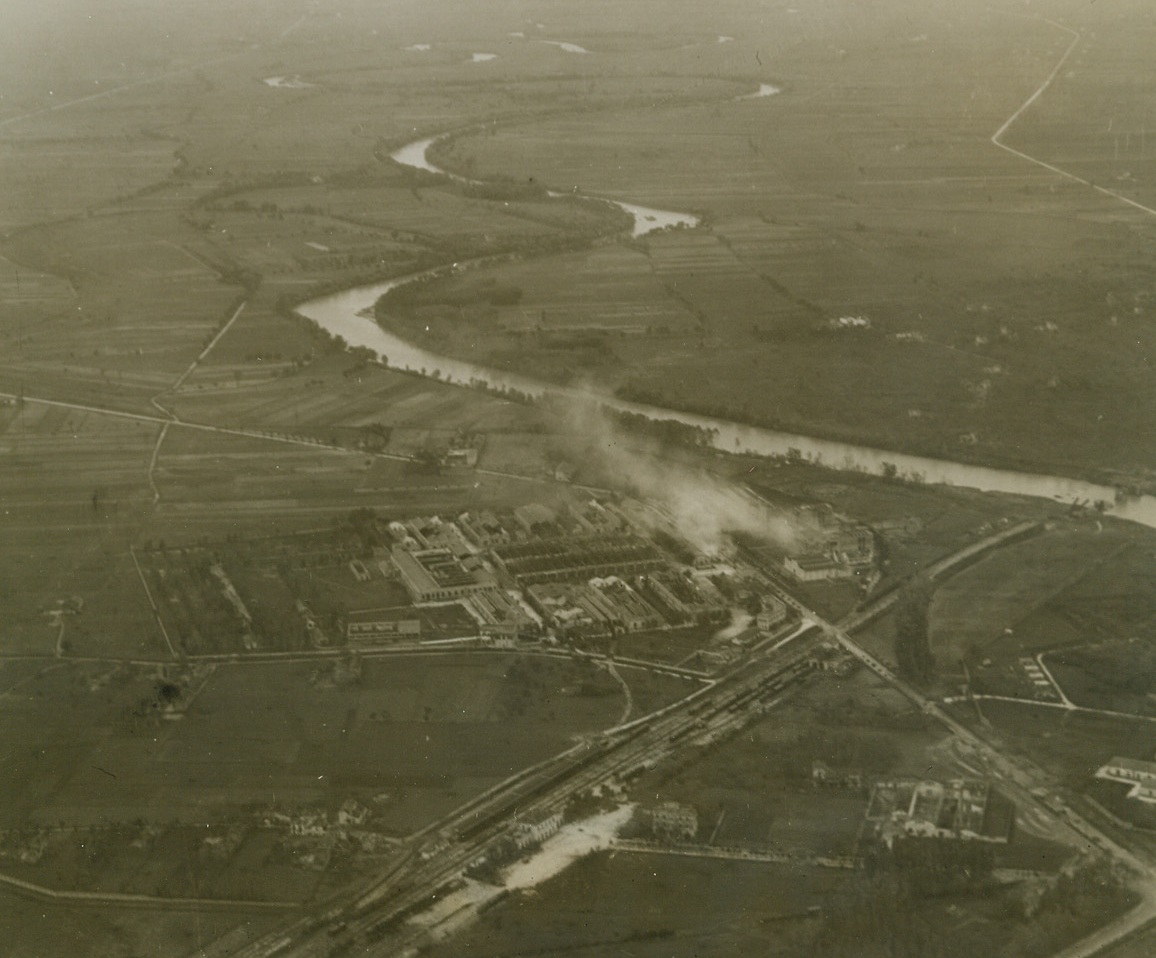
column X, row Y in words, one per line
column 701, row 507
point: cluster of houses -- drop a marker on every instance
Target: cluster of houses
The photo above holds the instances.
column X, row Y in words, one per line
column 317, row 822
column 961, row 809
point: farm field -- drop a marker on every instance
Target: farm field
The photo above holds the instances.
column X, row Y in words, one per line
column 1070, row 747
column 1118, row 676
column 411, row 737
column 1115, row 600
column 971, row 611
column 658, row 906
column 755, row 791
column 903, row 240
column 293, row 231
column 74, row 491
column 1077, row 600
column 655, row 905
column 33, row 929
column 239, row 863
column 837, row 235
column 425, row 730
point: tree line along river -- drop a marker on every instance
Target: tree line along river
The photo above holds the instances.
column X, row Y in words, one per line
column 350, row 315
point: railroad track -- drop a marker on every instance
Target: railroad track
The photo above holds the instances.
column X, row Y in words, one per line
column 373, row 919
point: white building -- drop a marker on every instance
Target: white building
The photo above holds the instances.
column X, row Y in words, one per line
column 674, row 821
column 1131, row 771
column 535, row 828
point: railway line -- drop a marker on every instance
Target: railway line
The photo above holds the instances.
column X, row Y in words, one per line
column 373, row 920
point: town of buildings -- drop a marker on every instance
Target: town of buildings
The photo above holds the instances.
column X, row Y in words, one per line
column 582, row 572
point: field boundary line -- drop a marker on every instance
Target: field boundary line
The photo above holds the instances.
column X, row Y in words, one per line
column 997, row 137
column 1072, row 707
column 1067, row 702
column 147, row 81
column 152, row 602
column 128, row 899
column 205, row 352
column 153, row 463
column 204, row 426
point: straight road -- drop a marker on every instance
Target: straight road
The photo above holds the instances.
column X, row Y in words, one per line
column 200, row 426
column 1023, row 780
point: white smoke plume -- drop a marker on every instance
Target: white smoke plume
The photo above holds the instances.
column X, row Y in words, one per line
column 701, row 507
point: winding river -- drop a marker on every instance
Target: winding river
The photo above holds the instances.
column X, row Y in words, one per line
column 349, row 314
column 646, row 219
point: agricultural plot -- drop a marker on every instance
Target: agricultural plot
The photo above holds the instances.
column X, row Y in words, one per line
column 145, row 305
column 50, row 744
column 655, row 906
column 1071, row 747
column 75, row 458
column 335, row 391
column 972, row 611
column 43, row 184
column 421, row 734
column 609, row 290
column 1116, row 600
column 870, row 265
column 35, row 928
column 73, row 488
column 73, row 591
column 238, row 862
column 27, row 293
column 414, row 729
column 280, row 592
column 898, row 230
column 1118, row 675
column 243, row 472
column 1065, row 130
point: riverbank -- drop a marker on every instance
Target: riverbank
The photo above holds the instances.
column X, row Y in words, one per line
column 646, row 219
column 349, row 315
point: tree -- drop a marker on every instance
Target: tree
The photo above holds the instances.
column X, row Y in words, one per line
column 912, row 640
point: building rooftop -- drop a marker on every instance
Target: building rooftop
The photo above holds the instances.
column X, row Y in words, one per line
column 1133, row 765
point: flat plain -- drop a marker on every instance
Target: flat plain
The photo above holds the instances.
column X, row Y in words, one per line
column 896, row 248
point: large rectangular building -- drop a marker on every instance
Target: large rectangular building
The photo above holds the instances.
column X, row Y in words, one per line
column 577, row 558
column 1140, row 775
column 437, row 575
column 381, row 629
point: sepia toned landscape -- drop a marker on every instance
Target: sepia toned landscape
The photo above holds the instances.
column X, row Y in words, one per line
column 524, row 478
